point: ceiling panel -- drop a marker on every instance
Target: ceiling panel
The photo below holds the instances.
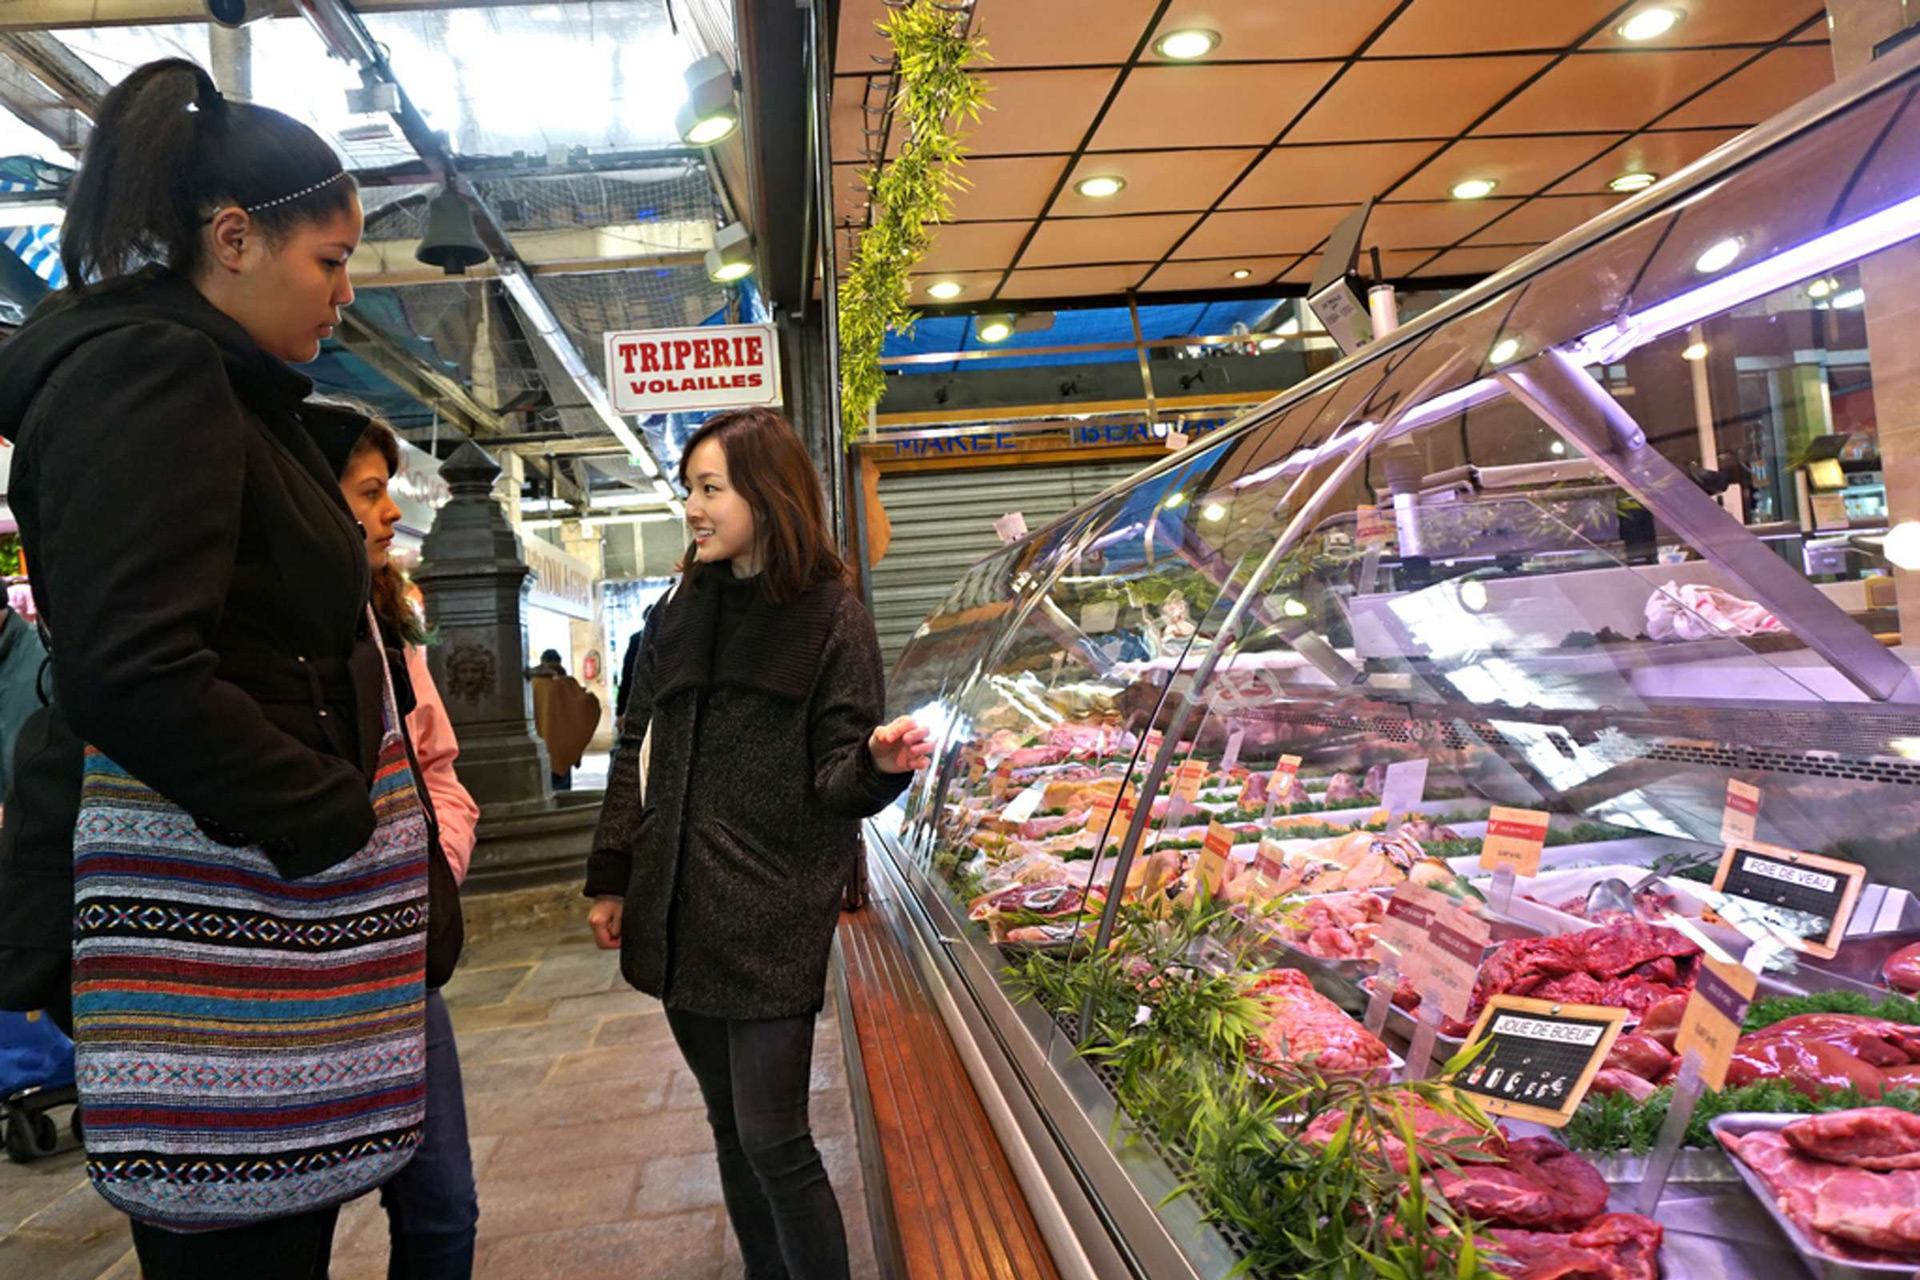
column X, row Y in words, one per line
column 1349, row 171
column 1766, row 88
column 1727, row 22
column 1217, row 275
column 1521, row 166
column 1611, row 90
column 1037, row 111
column 858, row 40
column 1006, row 188
column 1157, row 181
column 980, row 246
column 1490, row 26
column 1435, row 223
column 1301, row 272
column 1056, row 33
column 850, row 121
column 975, row 285
column 1661, row 154
column 1062, row 241
column 1176, row 106
column 1543, row 219
column 1073, row 282
column 1277, row 29
column 1476, row 262
column 1262, row 233
column 1378, row 101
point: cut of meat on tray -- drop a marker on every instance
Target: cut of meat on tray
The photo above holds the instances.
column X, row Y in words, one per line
column 1818, row 1053
column 1902, row 970
column 1867, row 1138
column 1855, row 1214
column 1303, row 1024
column 1541, row 1186
column 1614, row 1246
column 1435, row 1133
column 1641, row 1054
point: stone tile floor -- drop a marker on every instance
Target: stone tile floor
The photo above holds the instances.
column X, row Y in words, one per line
column 589, row 1142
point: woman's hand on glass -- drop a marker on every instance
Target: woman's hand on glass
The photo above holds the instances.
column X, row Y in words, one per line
column 901, row 746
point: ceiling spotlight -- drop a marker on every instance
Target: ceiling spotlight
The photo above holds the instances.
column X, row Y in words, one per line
column 1697, row 351
column 1718, row 256
column 1272, row 344
column 1638, row 180
column 1558, row 448
column 731, row 257
column 1101, row 187
column 1187, row 44
column 944, row 290
column 1474, row 188
column 1293, row 608
column 1649, row 24
column 1851, row 298
column 709, row 114
column 1820, row 288
column 1504, row 350
column 993, row 328
column 1213, row 511
column 1175, row 499
column 1241, row 273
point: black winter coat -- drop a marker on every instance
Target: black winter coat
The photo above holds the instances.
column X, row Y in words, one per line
column 202, row 579
column 733, row 868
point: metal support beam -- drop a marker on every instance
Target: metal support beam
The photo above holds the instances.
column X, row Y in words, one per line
column 47, row 85
column 418, row 379
column 38, row 106
column 45, row 15
column 561, row 251
column 1565, row 397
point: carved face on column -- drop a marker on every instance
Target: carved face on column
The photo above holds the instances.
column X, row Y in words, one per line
column 472, row 673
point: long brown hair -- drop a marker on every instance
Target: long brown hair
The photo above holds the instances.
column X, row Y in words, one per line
column 769, row 466
column 392, row 591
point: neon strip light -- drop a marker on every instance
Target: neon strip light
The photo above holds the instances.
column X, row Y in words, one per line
column 1837, row 248
column 1431, row 411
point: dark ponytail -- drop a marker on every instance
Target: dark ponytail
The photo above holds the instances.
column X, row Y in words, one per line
column 168, row 151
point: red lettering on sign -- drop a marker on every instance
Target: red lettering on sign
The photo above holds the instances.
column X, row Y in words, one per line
column 756, row 353
column 1517, row 830
column 703, row 355
column 649, row 357
column 722, row 354
column 626, row 353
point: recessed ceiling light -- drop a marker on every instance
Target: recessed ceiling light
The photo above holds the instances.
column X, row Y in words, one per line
column 728, row 272
column 1820, row 288
column 1851, row 298
column 1241, row 273
column 1474, row 188
column 1214, row 511
column 1293, row 608
column 1504, row 350
column 1718, row 256
column 1697, row 351
column 1187, row 43
column 1649, row 24
column 1101, row 187
column 1272, row 344
column 1558, row 448
column 944, row 289
column 994, row 328
column 1175, row 499
column 1638, row 180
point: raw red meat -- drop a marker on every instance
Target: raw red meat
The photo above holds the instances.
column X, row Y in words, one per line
column 1812, row 1067
column 1661, row 1022
column 1340, row 788
column 1542, row 1186
column 1306, row 1025
column 1610, row 1080
column 1640, row 1054
column 1876, row 1040
column 1853, row 1213
column 1902, row 970
column 1867, row 1137
column 1434, row 1132
column 1615, row 1246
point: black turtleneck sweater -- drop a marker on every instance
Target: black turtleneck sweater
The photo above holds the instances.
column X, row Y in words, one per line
column 736, row 597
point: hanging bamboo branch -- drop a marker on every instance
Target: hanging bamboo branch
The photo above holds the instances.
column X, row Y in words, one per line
column 911, row 194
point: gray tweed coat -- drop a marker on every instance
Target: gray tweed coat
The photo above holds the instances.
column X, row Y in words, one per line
column 733, row 866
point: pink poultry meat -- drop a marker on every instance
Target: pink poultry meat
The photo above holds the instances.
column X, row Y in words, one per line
column 1305, row 1025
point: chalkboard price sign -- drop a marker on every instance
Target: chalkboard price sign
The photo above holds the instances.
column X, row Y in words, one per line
column 1803, row 898
column 1540, row 1057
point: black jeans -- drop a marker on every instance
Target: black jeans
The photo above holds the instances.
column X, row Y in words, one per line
column 432, row 1211
column 297, row 1247
column 754, row 1076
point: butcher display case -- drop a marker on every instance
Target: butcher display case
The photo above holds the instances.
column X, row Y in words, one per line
column 1474, row 586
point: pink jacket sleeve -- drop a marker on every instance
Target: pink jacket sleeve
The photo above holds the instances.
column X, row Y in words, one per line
column 437, row 748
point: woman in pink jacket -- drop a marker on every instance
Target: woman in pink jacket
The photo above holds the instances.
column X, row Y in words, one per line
column 432, row 1208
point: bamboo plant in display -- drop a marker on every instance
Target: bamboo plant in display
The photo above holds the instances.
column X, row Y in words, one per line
column 937, row 94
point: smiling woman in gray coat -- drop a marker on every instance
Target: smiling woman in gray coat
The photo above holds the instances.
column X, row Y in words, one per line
column 758, row 694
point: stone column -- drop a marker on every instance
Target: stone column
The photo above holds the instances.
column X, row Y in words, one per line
column 1892, row 283
column 476, row 584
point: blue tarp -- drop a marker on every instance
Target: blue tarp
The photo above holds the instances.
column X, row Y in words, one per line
column 1072, row 328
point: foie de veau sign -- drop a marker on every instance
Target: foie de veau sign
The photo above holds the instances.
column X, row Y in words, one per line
column 710, row 367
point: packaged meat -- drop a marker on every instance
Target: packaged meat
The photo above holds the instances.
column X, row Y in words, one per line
column 1902, row 970
column 1867, row 1138
column 1304, row 1025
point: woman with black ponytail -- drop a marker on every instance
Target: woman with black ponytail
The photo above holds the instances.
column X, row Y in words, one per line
column 247, row 845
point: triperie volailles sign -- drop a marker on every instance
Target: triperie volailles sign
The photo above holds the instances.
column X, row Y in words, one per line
column 711, row 367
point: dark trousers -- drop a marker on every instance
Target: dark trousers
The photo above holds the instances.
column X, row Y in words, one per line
column 754, row 1076
column 432, row 1209
column 297, row 1247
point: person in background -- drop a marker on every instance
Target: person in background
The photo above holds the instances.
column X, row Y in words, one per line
column 433, row 1211
column 565, row 714
column 623, row 695
column 753, row 748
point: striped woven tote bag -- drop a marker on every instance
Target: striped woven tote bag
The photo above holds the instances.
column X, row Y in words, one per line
column 248, row 1046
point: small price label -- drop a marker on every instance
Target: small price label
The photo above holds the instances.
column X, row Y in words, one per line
column 1176, row 441
column 1214, row 852
column 1514, row 838
column 1722, row 991
column 1188, row 779
column 1741, row 816
column 1371, row 526
column 1403, row 931
column 1024, row 805
column 1406, row 783
column 1455, row 943
column 1802, row 898
column 1232, row 756
column 1116, row 809
column 1540, row 1057
column 1270, row 861
column 1011, row 527
column 1002, row 779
